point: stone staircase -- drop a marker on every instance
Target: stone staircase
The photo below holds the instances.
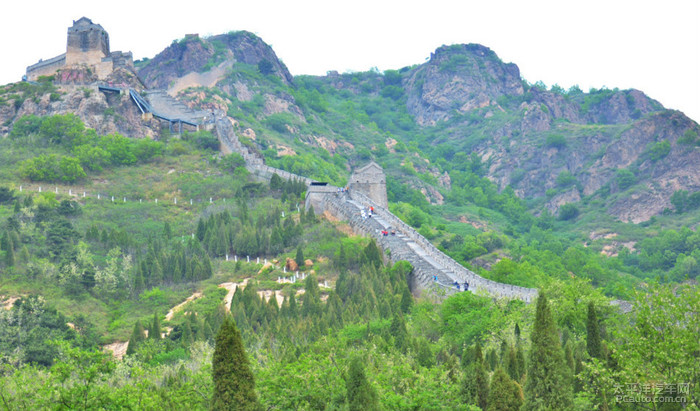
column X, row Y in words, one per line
column 432, row 269
column 167, row 106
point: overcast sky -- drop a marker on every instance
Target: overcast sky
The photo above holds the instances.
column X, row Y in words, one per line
column 653, row 46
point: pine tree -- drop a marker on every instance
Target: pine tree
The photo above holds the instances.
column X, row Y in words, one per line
column 342, row 262
column 9, row 257
column 300, row 257
column 517, row 333
column 234, row 384
column 201, row 229
column 361, row 395
column 154, row 331
column 311, row 215
column 593, row 344
column 187, row 338
column 406, row 300
column 399, row 332
column 569, row 356
column 512, row 365
column 475, row 389
column 548, row 383
column 137, row 335
column 5, row 242
column 505, row 394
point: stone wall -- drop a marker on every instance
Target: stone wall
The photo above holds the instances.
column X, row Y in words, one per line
column 432, row 269
column 46, row 67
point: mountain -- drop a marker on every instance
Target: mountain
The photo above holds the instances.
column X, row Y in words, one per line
column 135, row 219
column 617, row 147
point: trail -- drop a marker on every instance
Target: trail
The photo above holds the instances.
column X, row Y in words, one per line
column 171, row 313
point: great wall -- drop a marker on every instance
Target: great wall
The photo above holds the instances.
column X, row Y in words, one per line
column 432, row 269
column 88, row 47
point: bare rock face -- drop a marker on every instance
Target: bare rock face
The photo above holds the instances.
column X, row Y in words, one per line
column 196, row 55
column 291, row 265
column 105, row 113
column 459, row 77
column 571, row 196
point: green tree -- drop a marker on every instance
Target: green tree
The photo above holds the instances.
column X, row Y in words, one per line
column 234, row 384
column 593, row 344
column 406, row 300
column 475, row 388
column 137, row 335
column 300, row 257
column 9, row 257
column 361, row 395
column 154, row 332
column 548, row 385
column 504, row 394
column 568, row 212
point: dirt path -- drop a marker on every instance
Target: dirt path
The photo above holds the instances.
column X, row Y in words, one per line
column 118, row 349
column 231, row 287
column 171, row 313
column 9, row 303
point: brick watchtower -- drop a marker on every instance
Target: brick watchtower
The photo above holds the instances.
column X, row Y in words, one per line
column 88, row 43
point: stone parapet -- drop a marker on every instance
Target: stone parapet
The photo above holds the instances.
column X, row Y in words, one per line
column 432, row 269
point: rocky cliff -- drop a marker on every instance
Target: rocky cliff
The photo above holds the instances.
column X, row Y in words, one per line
column 73, row 91
column 194, row 54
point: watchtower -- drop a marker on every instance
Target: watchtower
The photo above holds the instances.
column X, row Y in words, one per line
column 88, row 43
column 370, row 181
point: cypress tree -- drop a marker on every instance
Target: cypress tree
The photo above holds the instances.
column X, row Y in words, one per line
column 361, row 396
column 201, row 229
column 342, row 262
column 137, row 335
column 5, row 242
column 476, row 384
column 300, row 257
column 520, row 361
column 154, row 331
column 9, row 257
column 406, row 300
column 548, row 383
column 569, row 356
column 398, row 331
column 187, row 338
column 593, row 333
column 505, row 394
column 517, row 333
column 234, row 384
column 512, row 365
column 311, row 215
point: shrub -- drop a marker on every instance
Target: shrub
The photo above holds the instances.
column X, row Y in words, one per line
column 657, row 151
column 557, row 141
column 568, row 212
column 565, row 179
column 624, row 178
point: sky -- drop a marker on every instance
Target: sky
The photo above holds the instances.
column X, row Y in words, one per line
column 653, row 46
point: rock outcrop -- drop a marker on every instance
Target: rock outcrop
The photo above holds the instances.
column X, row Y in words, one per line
column 459, row 77
column 194, row 54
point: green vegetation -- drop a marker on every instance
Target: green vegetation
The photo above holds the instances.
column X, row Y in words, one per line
column 91, row 272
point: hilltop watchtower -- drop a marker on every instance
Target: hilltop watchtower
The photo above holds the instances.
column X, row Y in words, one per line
column 88, row 43
column 370, row 180
column 87, row 46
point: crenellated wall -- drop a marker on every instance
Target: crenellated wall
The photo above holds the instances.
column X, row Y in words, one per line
column 432, row 269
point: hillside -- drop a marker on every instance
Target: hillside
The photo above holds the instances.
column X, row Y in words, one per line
column 119, row 233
